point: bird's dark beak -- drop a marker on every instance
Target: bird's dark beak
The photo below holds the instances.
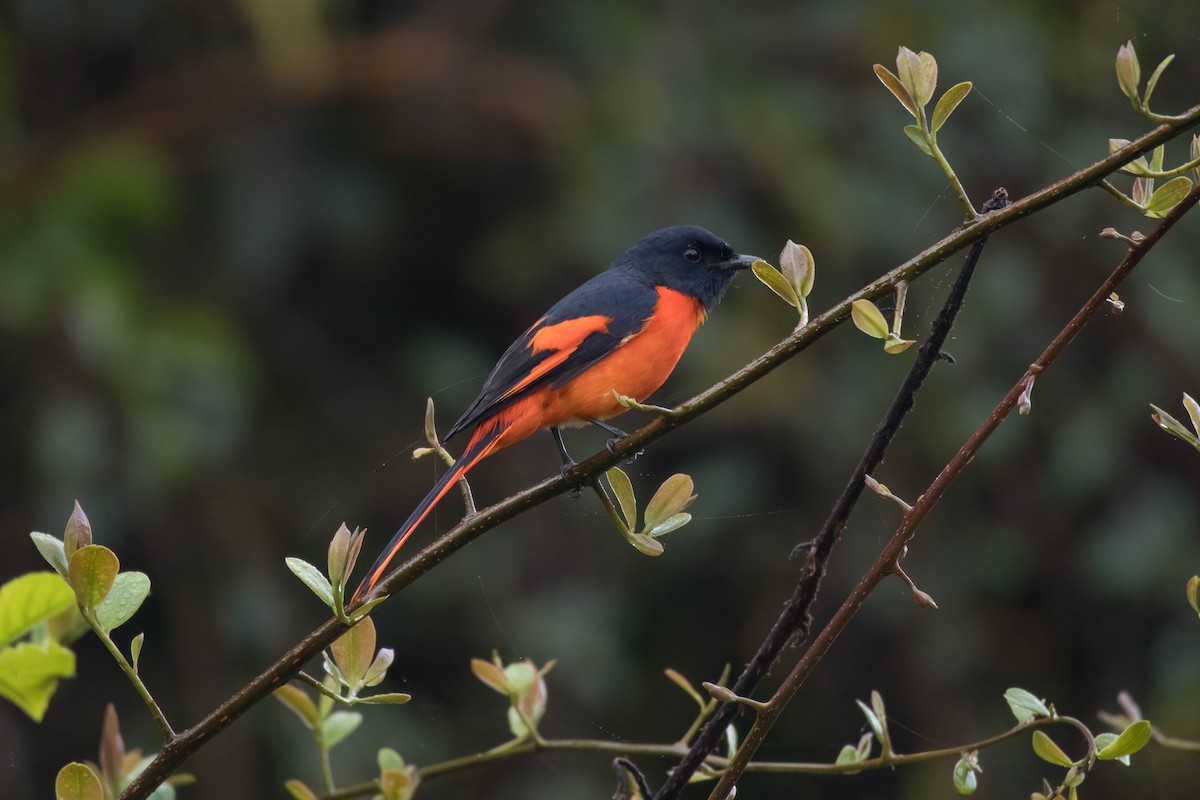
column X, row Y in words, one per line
column 740, row 262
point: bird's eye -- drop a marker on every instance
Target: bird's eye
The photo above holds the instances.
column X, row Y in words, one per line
column 692, row 254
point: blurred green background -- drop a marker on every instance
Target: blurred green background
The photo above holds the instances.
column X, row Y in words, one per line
column 241, row 242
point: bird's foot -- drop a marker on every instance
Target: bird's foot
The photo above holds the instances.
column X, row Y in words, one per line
column 611, row 446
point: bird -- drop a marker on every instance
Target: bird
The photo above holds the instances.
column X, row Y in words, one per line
column 621, row 332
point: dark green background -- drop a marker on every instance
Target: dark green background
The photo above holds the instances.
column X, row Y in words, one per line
column 240, row 243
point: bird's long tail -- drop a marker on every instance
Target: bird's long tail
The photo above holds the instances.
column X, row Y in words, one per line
column 483, row 442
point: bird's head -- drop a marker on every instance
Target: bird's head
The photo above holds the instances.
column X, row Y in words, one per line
column 688, row 259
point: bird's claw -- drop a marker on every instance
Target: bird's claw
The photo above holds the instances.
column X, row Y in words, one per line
column 577, row 487
column 611, row 447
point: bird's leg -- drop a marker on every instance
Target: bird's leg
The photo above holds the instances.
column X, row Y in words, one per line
column 568, row 463
column 617, row 433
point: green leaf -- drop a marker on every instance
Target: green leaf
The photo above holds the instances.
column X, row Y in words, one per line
column 646, row 545
column 1193, row 593
column 125, row 597
column 847, row 755
column 798, row 266
column 390, row 761
column 894, row 345
column 338, row 725
column 339, row 551
column 773, row 279
column 1024, row 706
column 1193, row 410
column 623, row 488
column 1171, row 425
column 1129, row 74
column 965, row 779
column 354, row 651
column 893, row 84
column 28, row 599
column 29, row 674
column 868, row 319
column 1047, row 750
column 92, row 570
column 135, row 650
column 76, row 781
column 1168, row 196
column 671, row 523
column 78, row 532
column 948, row 102
column 379, row 667
column 912, row 69
column 873, row 721
column 1132, row 739
column 917, row 136
column 674, row 495
column 390, row 698
column 491, row 675
column 311, row 577
column 299, row 789
column 679, row 680
column 52, row 550
column 299, row 702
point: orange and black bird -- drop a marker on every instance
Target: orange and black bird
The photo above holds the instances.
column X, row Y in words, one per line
column 622, row 331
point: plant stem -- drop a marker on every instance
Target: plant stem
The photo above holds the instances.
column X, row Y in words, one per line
column 326, row 766
column 969, row 212
column 157, row 713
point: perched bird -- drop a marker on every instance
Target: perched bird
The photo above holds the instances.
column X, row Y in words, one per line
column 622, row 331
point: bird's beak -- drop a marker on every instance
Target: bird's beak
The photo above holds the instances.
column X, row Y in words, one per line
column 740, row 262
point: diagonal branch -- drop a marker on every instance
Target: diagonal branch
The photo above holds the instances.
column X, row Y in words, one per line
column 894, row 549
column 176, row 750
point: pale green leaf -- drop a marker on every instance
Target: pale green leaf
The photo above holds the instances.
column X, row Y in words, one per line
column 893, row 84
column 29, row 599
column 798, row 266
column 52, row 550
column 1024, row 706
column 873, row 721
column 868, row 319
column 675, row 494
column 847, row 755
column 948, row 102
column 491, row 675
column 92, row 570
column 894, row 345
column 354, row 651
column 1129, row 73
column 299, row 702
column 1193, row 410
column 917, row 136
column 1171, row 425
column 339, row 551
column 135, row 649
column 379, row 667
column 312, row 578
column 965, row 779
column 76, row 781
column 391, row 698
column 1132, row 739
column 646, row 545
column 1048, row 751
column 773, row 279
column 1168, row 196
column 338, row 725
column 671, row 523
column 911, row 71
column 123, row 600
column 389, row 760
column 299, row 789
column 1193, row 593
column 29, row 674
column 623, row 488
column 679, row 680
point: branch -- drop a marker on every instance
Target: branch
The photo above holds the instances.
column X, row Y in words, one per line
column 176, row 750
column 912, row 519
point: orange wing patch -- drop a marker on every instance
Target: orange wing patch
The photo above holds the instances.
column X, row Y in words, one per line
column 562, row 338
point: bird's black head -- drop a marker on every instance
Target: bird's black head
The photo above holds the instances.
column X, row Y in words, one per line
column 687, row 259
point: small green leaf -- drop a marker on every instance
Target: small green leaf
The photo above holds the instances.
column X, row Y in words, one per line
column 338, row 725
column 390, row 698
column 430, row 426
column 873, row 721
column 29, row 674
column 299, row 789
column 966, row 781
column 390, row 761
column 646, row 545
column 354, row 651
column 912, row 69
column 1047, row 750
column 894, row 345
column 339, row 550
column 312, row 578
column 520, row 675
column 1132, row 739
column 76, row 781
column 135, row 650
column 379, row 667
column 1168, row 196
column 918, row 137
column 52, row 550
column 128, row 592
column 1193, row 410
column 948, row 103
column 92, row 570
column 1171, row 425
column 1141, row 191
column 78, row 532
column 29, row 599
column 623, row 488
column 491, row 675
column 1024, row 706
column 675, row 494
column 1193, row 593
column 299, row 702
column 1156, row 158
column 893, row 84
column 928, row 78
column 798, row 266
column 1129, row 74
column 671, row 523
column 847, row 755
column 773, row 279
column 868, row 319
column 683, row 683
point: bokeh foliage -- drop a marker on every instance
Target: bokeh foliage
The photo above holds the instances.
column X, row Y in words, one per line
column 239, row 247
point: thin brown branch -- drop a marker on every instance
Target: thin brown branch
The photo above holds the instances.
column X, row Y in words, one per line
column 178, row 749
column 913, row 518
